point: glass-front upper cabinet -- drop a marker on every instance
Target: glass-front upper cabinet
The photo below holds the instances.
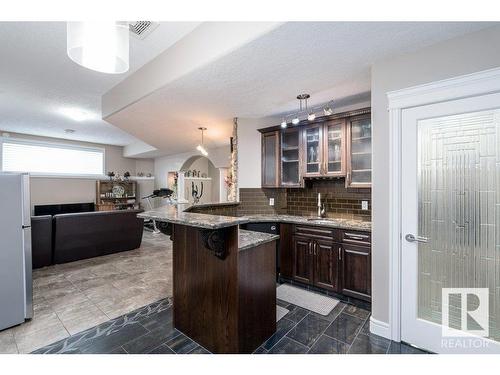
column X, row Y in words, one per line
column 334, row 164
column 359, row 173
column 270, row 155
column 313, row 151
column 290, row 158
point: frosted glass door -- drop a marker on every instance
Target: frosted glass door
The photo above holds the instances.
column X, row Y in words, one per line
column 451, row 206
column 335, row 139
column 459, row 212
column 313, row 151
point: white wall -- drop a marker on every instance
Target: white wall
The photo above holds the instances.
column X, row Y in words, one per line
column 463, row 55
column 49, row 190
column 249, row 149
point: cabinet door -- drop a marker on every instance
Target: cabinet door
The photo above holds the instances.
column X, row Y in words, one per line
column 359, row 154
column 356, row 271
column 326, row 265
column 334, row 158
column 290, row 158
column 313, row 150
column 302, row 259
column 270, row 155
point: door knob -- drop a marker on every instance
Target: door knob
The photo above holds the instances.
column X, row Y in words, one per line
column 411, row 238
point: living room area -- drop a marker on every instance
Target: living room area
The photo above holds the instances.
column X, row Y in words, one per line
column 93, row 259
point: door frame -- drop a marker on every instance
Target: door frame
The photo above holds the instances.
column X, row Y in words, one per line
column 461, row 87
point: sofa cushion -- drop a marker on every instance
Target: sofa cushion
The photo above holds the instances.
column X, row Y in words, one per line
column 90, row 234
column 41, row 241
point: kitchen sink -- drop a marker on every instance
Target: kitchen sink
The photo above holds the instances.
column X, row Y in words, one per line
column 320, row 220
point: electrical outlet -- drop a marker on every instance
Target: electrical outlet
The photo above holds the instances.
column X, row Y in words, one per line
column 271, row 201
column 364, row 205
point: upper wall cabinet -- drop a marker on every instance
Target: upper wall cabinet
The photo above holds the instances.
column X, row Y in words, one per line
column 331, row 146
column 359, row 153
column 290, row 157
column 314, row 155
column 325, row 149
column 335, row 145
column 270, row 162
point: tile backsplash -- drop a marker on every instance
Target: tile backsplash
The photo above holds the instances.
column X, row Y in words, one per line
column 339, row 200
column 256, row 201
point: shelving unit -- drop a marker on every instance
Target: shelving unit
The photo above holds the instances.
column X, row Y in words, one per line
column 116, row 195
column 290, row 158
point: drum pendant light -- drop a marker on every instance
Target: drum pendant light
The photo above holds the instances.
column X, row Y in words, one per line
column 100, row 46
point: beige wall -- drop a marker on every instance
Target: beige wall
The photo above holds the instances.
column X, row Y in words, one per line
column 467, row 54
column 49, row 190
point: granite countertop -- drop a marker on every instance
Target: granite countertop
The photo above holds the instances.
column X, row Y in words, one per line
column 176, row 213
column 248, row 239
column 339, row 223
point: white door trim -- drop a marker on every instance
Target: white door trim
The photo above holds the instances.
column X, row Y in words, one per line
column 480, row 83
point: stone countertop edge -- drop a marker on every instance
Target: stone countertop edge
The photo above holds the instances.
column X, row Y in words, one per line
column 248, row 239
column 171, row 214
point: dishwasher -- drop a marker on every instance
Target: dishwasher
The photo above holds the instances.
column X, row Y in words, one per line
column 272, row 228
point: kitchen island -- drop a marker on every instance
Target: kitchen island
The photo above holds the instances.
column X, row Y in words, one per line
column 224, row 280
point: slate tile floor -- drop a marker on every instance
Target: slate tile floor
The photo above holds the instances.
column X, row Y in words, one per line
column 72, row 297
column 150, row 330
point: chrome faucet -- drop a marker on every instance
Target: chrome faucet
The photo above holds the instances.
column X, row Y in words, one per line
column 321, row 207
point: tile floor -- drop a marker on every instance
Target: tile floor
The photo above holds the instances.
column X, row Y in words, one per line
column 120, row 304
column 72, row 297
column 150, row 330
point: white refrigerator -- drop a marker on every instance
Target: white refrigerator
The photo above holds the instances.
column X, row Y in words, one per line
column 16, row 286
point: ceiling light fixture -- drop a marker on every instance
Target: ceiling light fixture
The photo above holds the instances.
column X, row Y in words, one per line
column 101, row 46
column 305, row 112
column 201, row 146
column 77, row 114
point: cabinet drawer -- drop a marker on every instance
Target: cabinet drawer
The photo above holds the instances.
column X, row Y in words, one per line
column 357, row 237
column 317, row 232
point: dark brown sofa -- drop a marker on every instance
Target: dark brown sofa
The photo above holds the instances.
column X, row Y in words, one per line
column 91, row 234
column 68, row 237
column 41, row 240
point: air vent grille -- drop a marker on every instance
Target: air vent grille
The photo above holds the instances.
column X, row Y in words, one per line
column 141, row 29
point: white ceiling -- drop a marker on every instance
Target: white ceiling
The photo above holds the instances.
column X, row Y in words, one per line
column 38, row 80
column 330, row 60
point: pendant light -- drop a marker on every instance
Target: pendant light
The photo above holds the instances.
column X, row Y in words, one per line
column 101, row 46
column 201, row 146
column 305, row 112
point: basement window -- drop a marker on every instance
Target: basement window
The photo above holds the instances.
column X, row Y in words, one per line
column 51, row 159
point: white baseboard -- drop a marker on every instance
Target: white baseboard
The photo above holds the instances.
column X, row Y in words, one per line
column 380, row 328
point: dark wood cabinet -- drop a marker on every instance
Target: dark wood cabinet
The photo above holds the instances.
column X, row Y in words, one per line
column 359, row 152
column 290, row 158
column 315, row 262
column 326, row 265
column 356, row 271
column 332, row 259
column 270, row 159
column 313, row 150
column 338, row 145
column 302, row 259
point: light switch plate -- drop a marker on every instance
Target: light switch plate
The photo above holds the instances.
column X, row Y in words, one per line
column 271, row 201
column 364, row 205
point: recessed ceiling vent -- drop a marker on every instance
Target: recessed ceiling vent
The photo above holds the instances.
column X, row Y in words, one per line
column 141, row 29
